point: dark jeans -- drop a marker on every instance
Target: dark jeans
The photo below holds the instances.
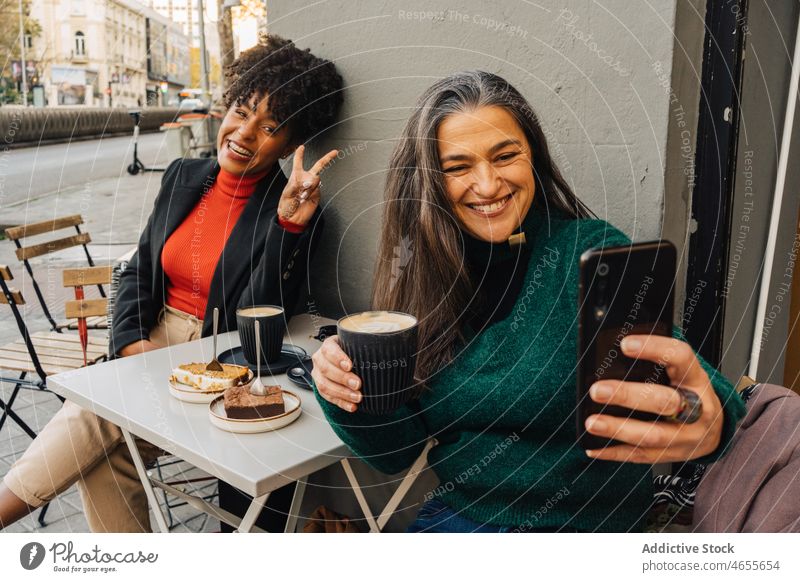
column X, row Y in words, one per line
column 437, row 517
column 272, row 517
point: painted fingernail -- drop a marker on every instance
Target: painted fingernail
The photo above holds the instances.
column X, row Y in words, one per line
column 631, row 344
column 600, row 391
column 596, row 425
column 352, row 408
column 353, row 383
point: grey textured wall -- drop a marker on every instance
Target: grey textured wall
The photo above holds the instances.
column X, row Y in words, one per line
column 597, row 73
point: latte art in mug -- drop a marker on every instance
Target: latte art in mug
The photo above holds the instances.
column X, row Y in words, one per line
column 377, row 322
column 259, row 311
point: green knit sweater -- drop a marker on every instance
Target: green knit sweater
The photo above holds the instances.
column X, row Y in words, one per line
column 503, row 412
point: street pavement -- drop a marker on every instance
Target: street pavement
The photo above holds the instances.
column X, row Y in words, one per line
column 86, row 178
column 30, row 173
column 114, row 205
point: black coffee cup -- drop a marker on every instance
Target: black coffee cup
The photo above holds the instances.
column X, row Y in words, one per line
column 272, row 322
column 383, row 348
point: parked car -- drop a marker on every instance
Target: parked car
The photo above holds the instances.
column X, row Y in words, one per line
column 191, row 104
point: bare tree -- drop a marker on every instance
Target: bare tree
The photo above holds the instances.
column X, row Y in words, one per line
column 9, row 43
column 247, row 9
column 9, row 26
column 225, row 31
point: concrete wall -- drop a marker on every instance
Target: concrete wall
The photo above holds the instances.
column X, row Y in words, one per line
column 598, row 75
column 23, row 127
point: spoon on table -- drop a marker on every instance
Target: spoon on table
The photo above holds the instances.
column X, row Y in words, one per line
column 257, row 387
column 214, row 365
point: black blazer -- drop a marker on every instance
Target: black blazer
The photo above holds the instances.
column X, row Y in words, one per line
column 261, row 262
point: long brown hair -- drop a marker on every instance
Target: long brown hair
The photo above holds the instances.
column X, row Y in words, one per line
column 420, row 267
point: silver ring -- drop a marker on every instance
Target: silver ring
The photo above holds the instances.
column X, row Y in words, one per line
column 691, row 407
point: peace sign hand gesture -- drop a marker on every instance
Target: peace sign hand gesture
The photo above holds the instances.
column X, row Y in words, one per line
column 300, row 198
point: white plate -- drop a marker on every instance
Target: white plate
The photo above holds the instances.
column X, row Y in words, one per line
column 216, row 412
column 193, row 395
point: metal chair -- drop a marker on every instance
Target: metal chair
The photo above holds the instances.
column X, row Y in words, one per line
column 26, row 253
column 36, row 356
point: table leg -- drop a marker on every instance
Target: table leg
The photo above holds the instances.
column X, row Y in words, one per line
column 362, row 501
column 405, row 486
column 294, row 509
column 202, row 505
column 252, row 514
column 145, row 479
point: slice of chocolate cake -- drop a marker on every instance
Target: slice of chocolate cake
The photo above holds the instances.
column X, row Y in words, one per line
column 242, row 404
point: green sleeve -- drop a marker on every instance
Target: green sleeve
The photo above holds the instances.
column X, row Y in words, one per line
column 389, row 443
column 733, row 408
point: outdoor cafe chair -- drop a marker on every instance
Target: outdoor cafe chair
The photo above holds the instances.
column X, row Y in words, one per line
column 27, row 362
column 17, row 234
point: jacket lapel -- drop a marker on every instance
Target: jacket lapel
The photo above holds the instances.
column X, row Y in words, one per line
column 192, row 183
column 245, row 244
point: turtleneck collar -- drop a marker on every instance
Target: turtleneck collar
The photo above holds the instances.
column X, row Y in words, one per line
column 481, row 253
column 235, row 186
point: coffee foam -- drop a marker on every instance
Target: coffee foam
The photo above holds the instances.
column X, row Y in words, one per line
column 377, row 322
column 259, row 311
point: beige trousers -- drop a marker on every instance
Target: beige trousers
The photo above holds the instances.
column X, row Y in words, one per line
column 77, row 446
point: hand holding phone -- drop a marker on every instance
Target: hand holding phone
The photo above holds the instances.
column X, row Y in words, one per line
column 625, row 343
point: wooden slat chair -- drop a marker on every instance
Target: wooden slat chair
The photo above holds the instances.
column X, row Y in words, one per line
column 26, row 253
column 39, row 355
column 82, row 309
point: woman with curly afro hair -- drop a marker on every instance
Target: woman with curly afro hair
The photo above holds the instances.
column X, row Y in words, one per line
column 225, row 233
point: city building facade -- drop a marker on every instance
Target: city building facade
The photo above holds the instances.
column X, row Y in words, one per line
column 95, row 53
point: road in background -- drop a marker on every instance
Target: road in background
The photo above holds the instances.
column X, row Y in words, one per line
column 27, row 174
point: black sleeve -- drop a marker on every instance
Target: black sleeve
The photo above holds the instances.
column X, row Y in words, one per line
column 134, row 313
column 283, row 267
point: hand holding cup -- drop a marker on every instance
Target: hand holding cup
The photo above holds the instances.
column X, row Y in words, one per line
column 333, row 376
column 370, row 362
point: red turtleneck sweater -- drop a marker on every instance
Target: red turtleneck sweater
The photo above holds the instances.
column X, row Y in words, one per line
column 191, row 253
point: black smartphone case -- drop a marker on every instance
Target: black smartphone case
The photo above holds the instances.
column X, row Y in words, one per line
column 622, row 291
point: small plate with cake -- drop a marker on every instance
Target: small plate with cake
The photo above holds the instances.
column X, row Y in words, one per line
column 193, row 383
column 242, row 411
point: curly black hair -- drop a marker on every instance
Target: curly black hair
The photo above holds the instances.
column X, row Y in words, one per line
column 305, row 92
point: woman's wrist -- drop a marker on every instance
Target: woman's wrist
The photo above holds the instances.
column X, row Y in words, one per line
column 293, row 227
column 137, row 347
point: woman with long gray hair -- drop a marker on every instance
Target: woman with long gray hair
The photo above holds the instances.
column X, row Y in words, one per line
column 495, row 233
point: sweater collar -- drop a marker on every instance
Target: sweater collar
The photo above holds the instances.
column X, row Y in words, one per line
column 235, row 186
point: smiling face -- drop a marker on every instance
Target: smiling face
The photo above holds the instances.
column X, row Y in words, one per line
column 247, row 141
column 488, row 171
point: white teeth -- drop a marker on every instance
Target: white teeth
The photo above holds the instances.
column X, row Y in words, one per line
column 489, row 208
column 238, row 150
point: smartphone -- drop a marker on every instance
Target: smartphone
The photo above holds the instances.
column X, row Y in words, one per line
column 623, row 291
